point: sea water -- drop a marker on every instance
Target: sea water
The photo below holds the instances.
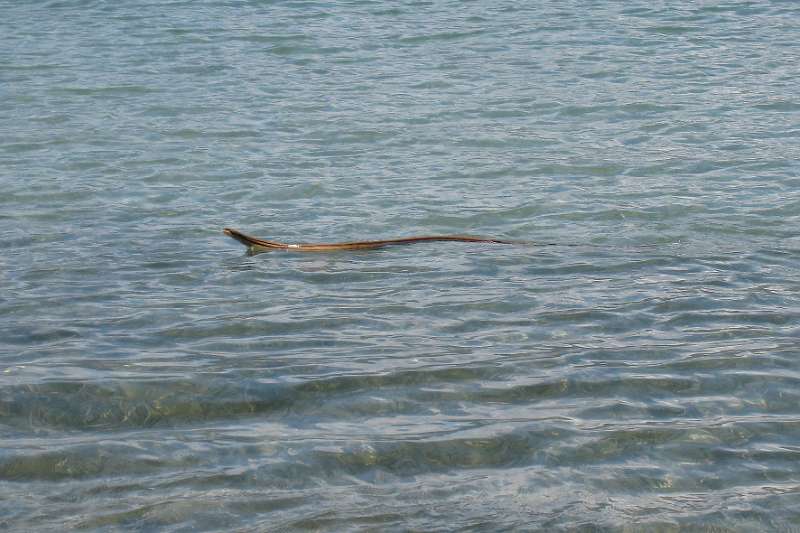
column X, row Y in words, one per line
column 635, row 366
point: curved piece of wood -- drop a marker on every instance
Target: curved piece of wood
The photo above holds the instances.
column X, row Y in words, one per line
column 261, row 245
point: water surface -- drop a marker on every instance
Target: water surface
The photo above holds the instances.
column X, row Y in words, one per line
column 635, row 368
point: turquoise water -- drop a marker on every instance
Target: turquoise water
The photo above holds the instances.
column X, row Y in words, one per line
column 637, row 368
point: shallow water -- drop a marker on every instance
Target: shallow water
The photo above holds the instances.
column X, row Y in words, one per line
column 636, row 367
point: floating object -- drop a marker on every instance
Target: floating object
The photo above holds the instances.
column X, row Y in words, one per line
column 255, row 245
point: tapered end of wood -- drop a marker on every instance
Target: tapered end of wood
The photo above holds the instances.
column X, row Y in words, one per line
column 239, row 236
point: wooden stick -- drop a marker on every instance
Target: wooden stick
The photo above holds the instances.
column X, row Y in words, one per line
column 261, row 245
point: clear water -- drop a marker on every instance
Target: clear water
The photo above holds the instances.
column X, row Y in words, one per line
column 642, row 372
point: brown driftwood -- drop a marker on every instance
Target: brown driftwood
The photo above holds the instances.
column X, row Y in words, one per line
column 255, row 245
